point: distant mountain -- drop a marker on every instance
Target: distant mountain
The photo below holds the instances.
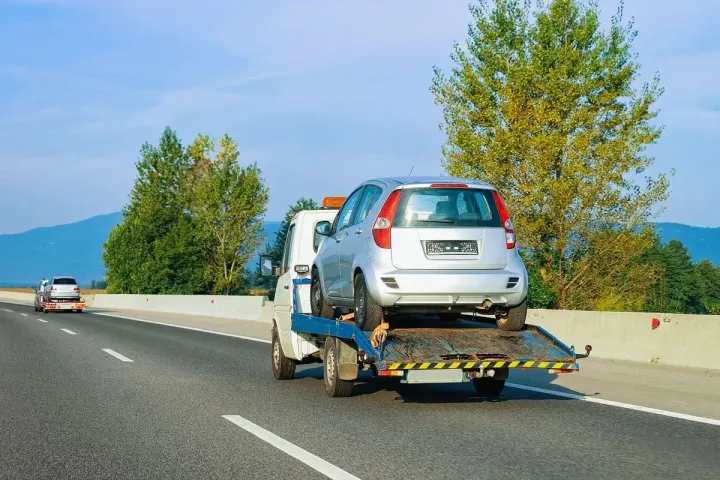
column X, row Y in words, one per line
column 76, row 249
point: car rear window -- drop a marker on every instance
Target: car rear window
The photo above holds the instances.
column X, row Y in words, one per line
column 446, row 207
column 64, row 281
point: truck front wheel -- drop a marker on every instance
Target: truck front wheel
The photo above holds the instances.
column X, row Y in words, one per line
column 283, row 368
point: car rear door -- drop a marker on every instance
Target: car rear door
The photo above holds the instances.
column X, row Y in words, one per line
column 448, row 227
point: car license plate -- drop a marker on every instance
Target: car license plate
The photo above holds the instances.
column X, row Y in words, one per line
column 451, row 247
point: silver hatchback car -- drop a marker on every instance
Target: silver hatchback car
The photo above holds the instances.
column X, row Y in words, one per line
column 418, row 245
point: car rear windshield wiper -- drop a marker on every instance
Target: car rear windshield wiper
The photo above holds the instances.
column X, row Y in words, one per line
column 440, row 220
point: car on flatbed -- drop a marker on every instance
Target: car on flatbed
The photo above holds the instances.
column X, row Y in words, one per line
column 413, row 245
column 58, row 293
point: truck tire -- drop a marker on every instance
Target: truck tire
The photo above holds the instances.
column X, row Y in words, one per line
column 319, row 307
column 334, row 386
column 282, row 367
column 488, row 387
column 514, row 321
column 368, row 314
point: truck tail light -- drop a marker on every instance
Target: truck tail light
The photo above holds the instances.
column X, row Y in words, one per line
column 510, row 239
column 382, row 227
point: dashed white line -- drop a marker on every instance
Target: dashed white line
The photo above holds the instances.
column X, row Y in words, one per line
column 312, row 461
column 115, row 354
column 24, row 314
column 41, row 320
column 8, row 310
column 612, row 403
column 252, row 339
column 70, row 332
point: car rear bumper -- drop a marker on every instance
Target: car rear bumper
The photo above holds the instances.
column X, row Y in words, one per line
column 65, row 296
column 448, row 288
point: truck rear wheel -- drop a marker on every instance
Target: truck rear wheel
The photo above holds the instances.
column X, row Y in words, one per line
column 488, row 387
column 319, row 307
column 334, row 386
column 368, row 314
column 514, row 320
column 282, row 367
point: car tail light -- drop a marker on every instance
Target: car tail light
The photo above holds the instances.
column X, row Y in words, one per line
column 77, row 289
column 448, row 185
column 383, row 223
column 506, row 222
column 52, row 289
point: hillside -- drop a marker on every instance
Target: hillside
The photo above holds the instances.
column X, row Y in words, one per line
column 76, row 249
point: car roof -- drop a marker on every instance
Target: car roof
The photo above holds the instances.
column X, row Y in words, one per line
column 416, row 180
column 58, row 277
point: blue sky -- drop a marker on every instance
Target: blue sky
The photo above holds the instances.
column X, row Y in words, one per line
column 321, row 94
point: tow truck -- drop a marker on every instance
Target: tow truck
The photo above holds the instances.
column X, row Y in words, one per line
column 417, row 349
column 46, row 305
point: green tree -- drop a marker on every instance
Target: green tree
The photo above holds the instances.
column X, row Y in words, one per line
column 153, row 250
column 228, row 204
column 542, row 104
column 707, row 278
column 676, row 288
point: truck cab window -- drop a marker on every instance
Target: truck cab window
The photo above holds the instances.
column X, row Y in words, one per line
column 288, row 249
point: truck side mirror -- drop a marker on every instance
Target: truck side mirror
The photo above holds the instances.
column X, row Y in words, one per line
column 323, row 228
column 266, row 266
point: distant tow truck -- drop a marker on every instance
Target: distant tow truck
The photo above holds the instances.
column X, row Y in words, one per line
column 45, row 305
column 414, row 350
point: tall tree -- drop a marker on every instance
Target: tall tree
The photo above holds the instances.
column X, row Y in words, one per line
column 228, row 203
column 542, row 103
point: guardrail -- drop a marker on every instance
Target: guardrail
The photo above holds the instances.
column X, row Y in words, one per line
column 670, row 339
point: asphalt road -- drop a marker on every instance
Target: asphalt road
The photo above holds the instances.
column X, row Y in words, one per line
column 70, row 409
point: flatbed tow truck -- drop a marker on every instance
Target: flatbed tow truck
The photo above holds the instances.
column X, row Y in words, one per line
column 416, row 350
column 58, row 305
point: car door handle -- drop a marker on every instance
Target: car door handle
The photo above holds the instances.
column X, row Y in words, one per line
column 358, row 231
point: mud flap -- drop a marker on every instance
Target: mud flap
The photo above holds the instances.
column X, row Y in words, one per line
column 347, row 360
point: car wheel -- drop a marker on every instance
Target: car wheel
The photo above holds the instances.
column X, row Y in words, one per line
column 319, row 307
column 514, row 320
column 368, row 313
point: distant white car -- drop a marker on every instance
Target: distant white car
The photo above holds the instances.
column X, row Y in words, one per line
column 420, row 245
column 62, row 288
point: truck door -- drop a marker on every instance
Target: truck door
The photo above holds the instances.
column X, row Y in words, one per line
column 283, row 292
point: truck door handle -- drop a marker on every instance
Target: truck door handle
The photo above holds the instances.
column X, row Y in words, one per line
column 287, row 287
column 358, row 231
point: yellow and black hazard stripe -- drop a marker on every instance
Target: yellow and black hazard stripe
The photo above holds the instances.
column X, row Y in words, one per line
column 465, row 365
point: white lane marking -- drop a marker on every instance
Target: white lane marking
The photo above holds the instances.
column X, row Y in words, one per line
column 7, row 310
column 115, row 354
column 252, row 339
column 312, row 461
column 612, row 403
column 24, row 314
column 41, row 320
column 68, row 331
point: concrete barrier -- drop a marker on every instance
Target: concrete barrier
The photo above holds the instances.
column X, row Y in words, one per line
column 680, row 340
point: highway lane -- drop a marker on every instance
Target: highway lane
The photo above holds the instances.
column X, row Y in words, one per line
column 73, row 408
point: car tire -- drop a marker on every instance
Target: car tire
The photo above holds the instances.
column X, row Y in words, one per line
column 282, row 367
column 319, row 307
column 514, row 321
column 368, row 313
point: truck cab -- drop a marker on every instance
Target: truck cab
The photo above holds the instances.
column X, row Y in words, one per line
column 301, row 246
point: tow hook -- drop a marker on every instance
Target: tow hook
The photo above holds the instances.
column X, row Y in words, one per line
column 588, row 349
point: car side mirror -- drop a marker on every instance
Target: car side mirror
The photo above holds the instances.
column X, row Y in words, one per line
column 323, row 228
